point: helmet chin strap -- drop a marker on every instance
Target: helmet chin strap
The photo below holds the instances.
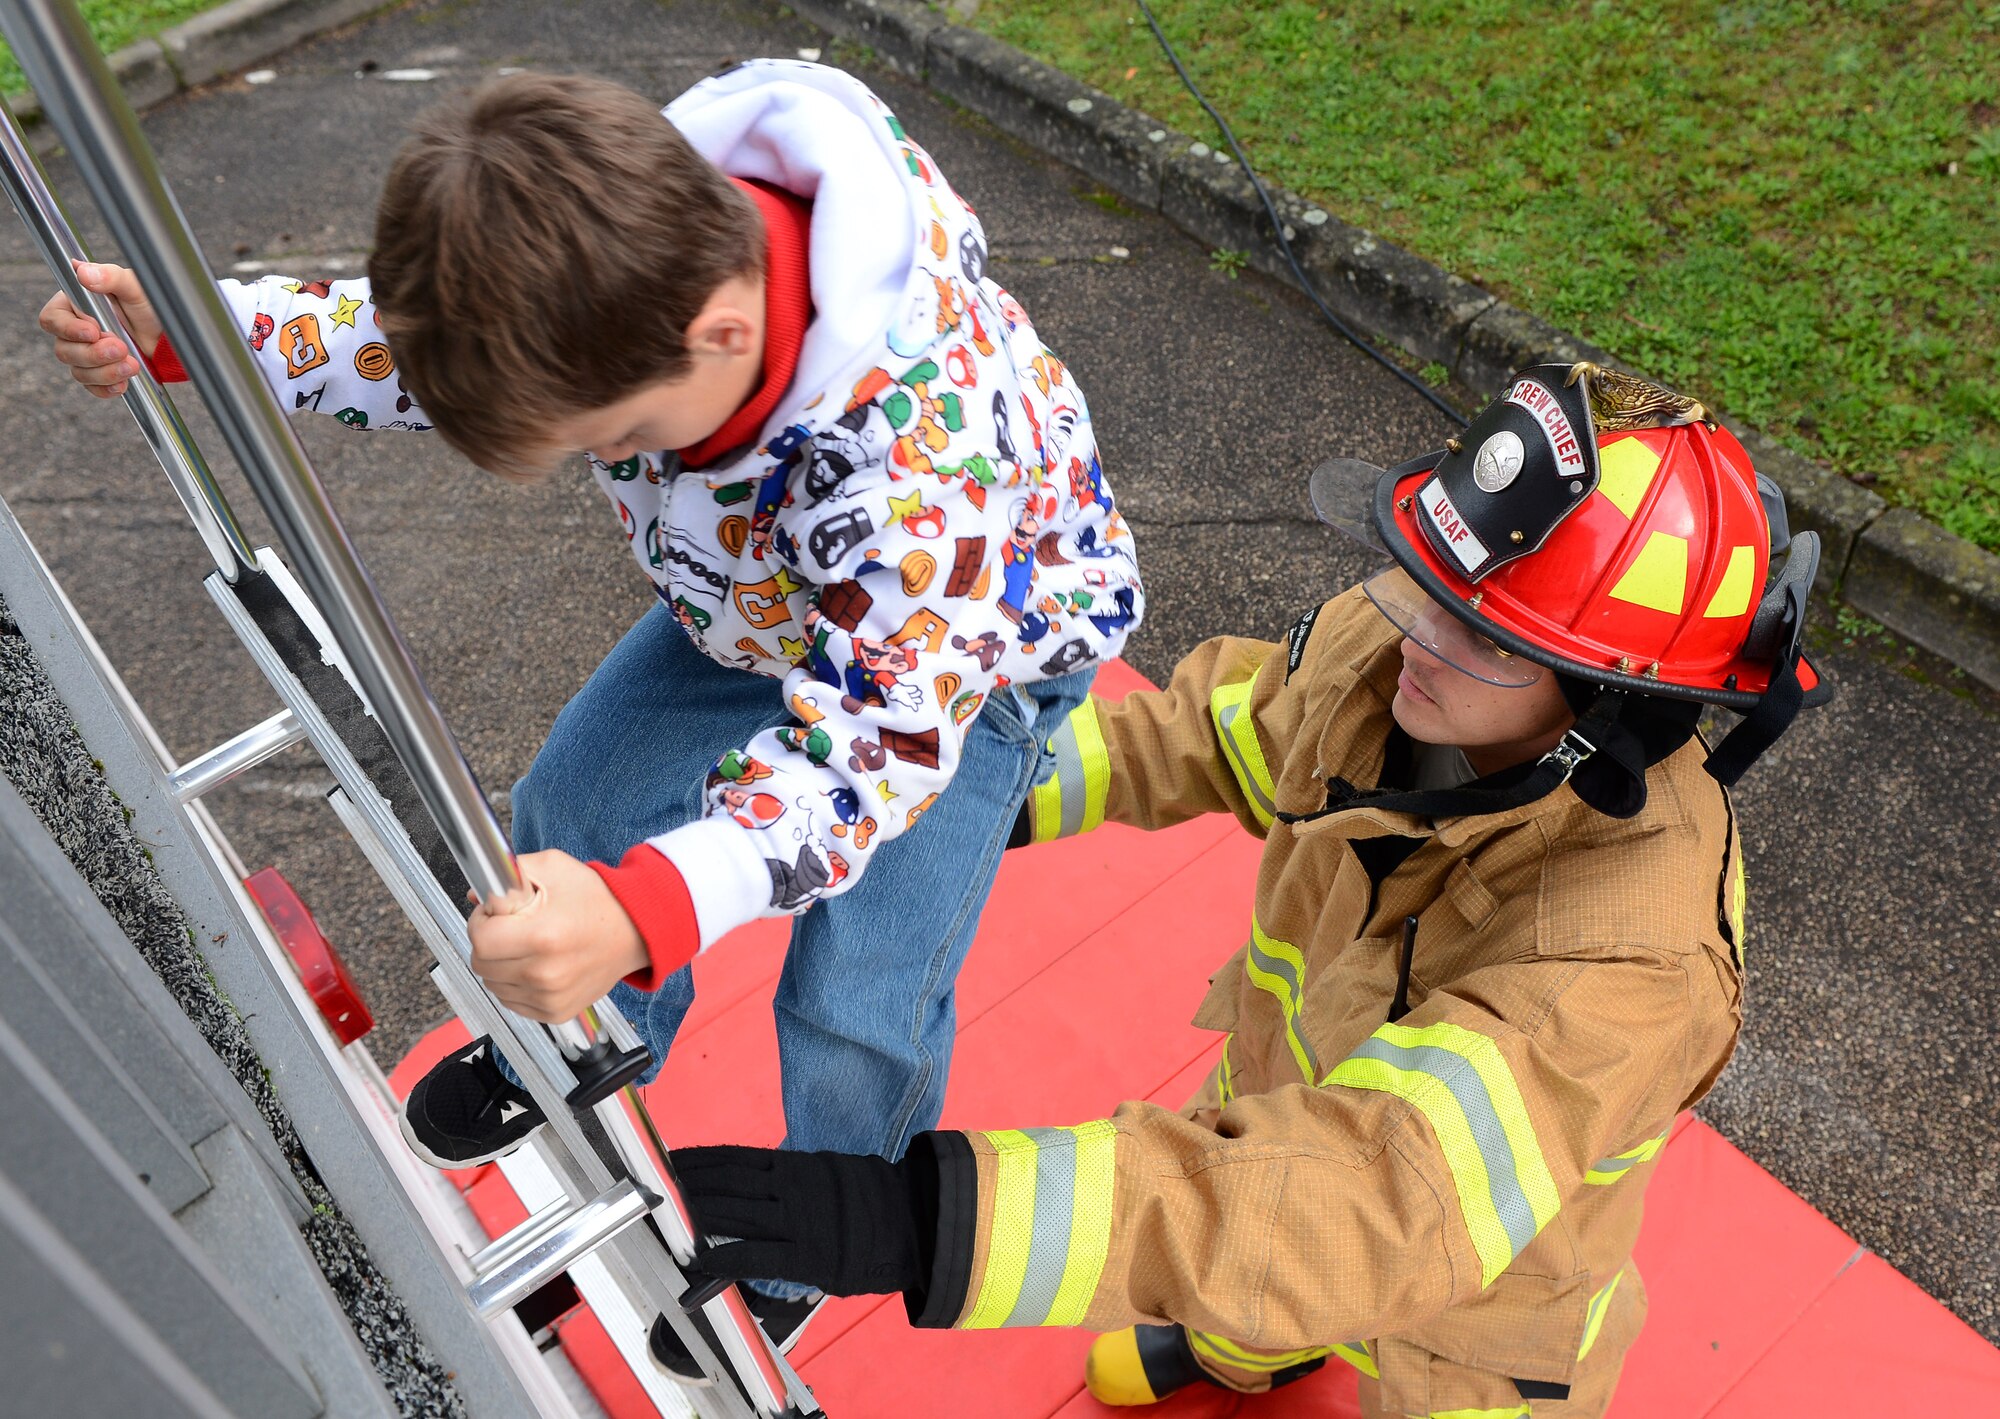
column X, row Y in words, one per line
column 1508, row 789
column 1769, row 718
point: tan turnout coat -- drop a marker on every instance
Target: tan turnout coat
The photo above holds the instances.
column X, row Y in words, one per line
column 1462, row 1188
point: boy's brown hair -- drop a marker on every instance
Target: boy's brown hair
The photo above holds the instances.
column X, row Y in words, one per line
column 540, row 248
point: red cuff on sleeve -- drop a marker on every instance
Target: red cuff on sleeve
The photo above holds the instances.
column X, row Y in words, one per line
column 165, row 364
column 655, row 896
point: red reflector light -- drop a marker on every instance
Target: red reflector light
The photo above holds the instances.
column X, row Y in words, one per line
column 320, row 970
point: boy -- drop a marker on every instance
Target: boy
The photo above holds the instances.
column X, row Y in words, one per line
column 1496, row 949
column 867, row 496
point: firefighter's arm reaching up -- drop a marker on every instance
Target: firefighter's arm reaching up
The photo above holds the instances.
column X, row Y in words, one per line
column 1213, row 741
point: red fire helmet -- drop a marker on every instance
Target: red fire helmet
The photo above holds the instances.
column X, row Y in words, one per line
column 1602, row 526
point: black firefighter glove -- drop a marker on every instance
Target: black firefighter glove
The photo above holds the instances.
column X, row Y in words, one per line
column 847, row 1224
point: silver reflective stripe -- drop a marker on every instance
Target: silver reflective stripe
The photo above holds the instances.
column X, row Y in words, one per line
column 1229, row 715
column 1597, row 1304
column 1283, row 970
column 1055, row 1205
column 1615, row 1165
column 1070, row 780
column 1458, row 1076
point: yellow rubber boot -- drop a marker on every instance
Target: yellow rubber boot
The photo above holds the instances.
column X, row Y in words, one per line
column 1140, row 1364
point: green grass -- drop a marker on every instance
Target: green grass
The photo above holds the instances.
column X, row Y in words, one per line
column 115, row 23
column 1790, row 209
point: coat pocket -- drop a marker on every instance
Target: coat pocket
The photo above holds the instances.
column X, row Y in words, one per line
column 1219, row 1008
column 1523, row 1327
column 1469, row 896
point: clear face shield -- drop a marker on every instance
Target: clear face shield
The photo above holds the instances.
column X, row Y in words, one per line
column 1343, row 495
column 1412, row 612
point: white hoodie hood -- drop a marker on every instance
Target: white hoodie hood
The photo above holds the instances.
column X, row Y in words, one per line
column 820, row 134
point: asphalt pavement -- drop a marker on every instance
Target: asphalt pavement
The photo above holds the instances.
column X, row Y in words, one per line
column 1868, row 1078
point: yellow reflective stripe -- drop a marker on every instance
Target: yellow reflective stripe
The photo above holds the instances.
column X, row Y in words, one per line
column 1051, row 1225
column 1229, row 707
column 1530, row 1167
column 1224, row 1089
column 1625, row 471
column 1012, row 1231
column 1072, row 801
column 1276, row 1359
column 1277, row 968
column 1358, row 1356
column 1090, row 747
column 1737, row 892
column 1600, row 1306
column 1227, row 1352
column 1090, row 1222
column 1045, row 811
column 1657, row 577
column 1519, row 1411
column 1610, row 1170
column 1732, row 593
column 1458, row 1080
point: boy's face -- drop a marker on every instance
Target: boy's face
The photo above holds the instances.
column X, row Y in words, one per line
column 725, row 340
column 1496, row 726
column 669, row 414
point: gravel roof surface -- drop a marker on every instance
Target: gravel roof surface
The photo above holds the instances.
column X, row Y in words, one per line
column 49, row 765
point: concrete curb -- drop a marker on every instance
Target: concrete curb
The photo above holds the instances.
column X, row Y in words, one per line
column 1908, row 572
column 1929, row 586
column 231, row 36
column 216, row 42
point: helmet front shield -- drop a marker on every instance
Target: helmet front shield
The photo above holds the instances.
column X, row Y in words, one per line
column 1410, row 610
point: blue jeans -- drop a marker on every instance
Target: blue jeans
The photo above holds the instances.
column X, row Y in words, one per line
column 866, row 1006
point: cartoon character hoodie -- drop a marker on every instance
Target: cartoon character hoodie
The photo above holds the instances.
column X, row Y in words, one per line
column 920, row 522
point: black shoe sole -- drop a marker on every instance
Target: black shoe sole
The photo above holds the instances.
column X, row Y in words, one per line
column 693, row 1378
column 697, row 1379
column 452, row 1165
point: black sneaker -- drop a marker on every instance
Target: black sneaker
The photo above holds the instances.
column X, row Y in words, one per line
column 466, row 1112
column 783, row 1321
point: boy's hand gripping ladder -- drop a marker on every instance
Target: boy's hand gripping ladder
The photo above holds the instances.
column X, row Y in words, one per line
column 611, row 1175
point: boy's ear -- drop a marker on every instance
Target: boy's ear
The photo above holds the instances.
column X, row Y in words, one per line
column 723, row 327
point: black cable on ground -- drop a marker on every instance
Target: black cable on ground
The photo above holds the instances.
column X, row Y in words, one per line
column 1278, row 229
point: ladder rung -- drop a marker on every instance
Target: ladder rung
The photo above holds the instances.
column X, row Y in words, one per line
column 558, row 1241
column 509, row 1245
column 225, row 761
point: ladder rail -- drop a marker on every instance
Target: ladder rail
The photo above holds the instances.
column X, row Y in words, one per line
column 69, row 72
column 83, row 101
column 584, row 1170
column 193, row 483
column 772, row 1381
column 768, row 1380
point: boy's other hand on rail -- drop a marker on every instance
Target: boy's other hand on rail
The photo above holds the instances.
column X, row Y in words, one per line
column 549, row 955
column 99, row 360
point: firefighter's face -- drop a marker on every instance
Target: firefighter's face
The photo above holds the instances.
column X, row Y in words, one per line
column 1495, row 725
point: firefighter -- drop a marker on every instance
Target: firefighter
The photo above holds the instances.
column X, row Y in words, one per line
column 1496, row 949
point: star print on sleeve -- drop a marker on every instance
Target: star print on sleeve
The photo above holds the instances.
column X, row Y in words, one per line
column 320, row 341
